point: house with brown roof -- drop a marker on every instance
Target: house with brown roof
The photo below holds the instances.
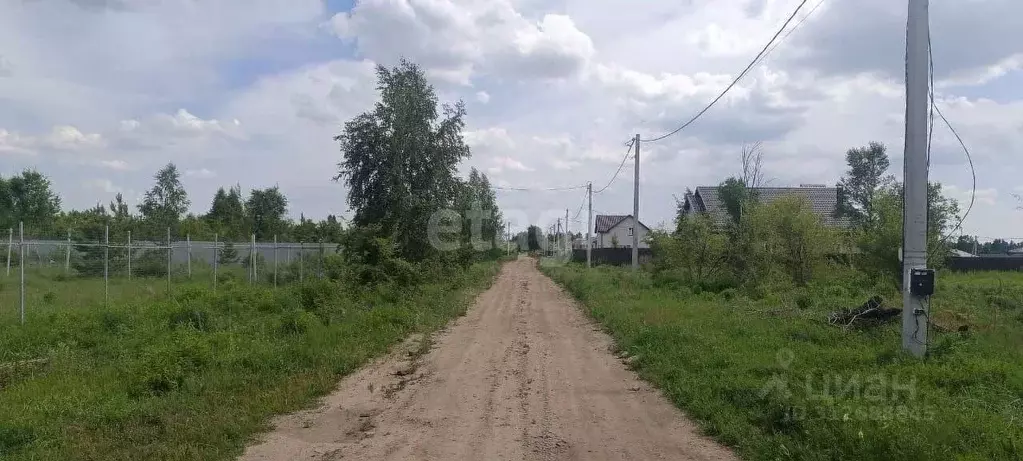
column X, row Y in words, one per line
column 612, row 229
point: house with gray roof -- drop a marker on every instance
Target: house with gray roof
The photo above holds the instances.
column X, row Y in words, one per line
column 617, row 229
column 823, row 201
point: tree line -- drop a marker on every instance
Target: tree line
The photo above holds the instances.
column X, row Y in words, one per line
column 28, row 198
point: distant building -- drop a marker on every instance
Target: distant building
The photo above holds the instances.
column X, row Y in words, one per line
column 823, row 201
column 611, row 228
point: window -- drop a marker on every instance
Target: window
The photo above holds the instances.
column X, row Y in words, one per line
column 630, row 232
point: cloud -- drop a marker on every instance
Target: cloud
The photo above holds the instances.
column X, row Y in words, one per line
column 104, row 185
column 507, row 163
column 119, row 165
column 255, row 90
column 201, row 173
column 6, row 67
column 457, row 39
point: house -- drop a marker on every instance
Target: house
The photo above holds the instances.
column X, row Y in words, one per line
column 823, row 201
column 611, row 229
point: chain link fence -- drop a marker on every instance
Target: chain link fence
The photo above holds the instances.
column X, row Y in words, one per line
column 82, row 270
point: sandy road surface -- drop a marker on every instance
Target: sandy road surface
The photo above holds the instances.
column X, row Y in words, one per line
column 523, row 376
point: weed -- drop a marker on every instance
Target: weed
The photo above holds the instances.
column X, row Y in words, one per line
column 192, row 376
column 845, row 394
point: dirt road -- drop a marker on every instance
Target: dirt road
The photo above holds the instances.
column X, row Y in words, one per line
column 523, row 376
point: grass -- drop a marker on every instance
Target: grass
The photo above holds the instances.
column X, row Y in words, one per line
column 194, row 375
column 771, row 378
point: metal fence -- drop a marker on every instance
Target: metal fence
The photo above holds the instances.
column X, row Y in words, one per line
column 38, row 271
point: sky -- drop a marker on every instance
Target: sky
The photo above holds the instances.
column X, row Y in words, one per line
column 99, row 94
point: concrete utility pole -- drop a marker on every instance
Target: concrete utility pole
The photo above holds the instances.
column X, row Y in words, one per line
column 557, row 235
column 914, row 237
column 635, row 211
column 568, row 240
column 589, row 224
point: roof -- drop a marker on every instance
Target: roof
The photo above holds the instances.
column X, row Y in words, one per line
column 962, row 254
column 823, row 202
column 606, row 222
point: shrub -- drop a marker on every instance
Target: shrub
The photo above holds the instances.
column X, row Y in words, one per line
column 693, row 254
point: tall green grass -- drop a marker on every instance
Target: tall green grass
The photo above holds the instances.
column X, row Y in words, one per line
column 773, row 379
column 194, row 375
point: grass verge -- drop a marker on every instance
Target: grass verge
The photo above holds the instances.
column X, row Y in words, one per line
column 771, row 378
column 196, row 375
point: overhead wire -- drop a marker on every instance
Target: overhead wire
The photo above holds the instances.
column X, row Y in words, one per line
column 969, row 158
column 530, row 189
column 619, row 170
column 793, row 29
column 736, row 80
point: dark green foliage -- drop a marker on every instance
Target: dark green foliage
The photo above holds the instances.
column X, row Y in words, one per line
column 28, row 198
column 391, row 191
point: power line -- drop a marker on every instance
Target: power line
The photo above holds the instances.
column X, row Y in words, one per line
column 580, row 210
column 530, row 189
column 793, row 29
column 624, row 159
column 739, row 77
column 969, row 158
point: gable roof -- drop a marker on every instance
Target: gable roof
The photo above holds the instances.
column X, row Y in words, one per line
column 823, row 201
column 606, row 222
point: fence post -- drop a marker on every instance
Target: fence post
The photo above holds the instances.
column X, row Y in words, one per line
column 275, row 260
column 188, row 243
column 67, row 255
column 21, row 266
column 216, row 249
column 106, row 265
column 10, row 243
column 170, row 250
column 301, row 261
column 252, row 260
column 129, row 256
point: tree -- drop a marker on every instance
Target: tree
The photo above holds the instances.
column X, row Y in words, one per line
column 862, row 182
column 799, row 241
column 879, row 242
column 477, row 202
column 695, row 252
column 265, row 210
column 752, row 160
column 399, row 160
column 119, row 209
column 27, row 198
column 533, row 237
column 736, row 197
column 614, row 241
column 227, row 214
column 163, row 205
column 228, row 254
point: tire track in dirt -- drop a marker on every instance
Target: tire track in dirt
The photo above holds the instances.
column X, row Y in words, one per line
column 522, row 376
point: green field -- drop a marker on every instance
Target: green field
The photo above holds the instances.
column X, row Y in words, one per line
column 192, row 375
column 772, row 378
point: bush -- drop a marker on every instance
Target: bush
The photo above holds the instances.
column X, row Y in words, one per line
column 693, row 254
column 150, row 263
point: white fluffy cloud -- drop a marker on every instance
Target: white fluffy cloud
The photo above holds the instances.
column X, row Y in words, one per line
column 255, row 91
column 456, row 39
